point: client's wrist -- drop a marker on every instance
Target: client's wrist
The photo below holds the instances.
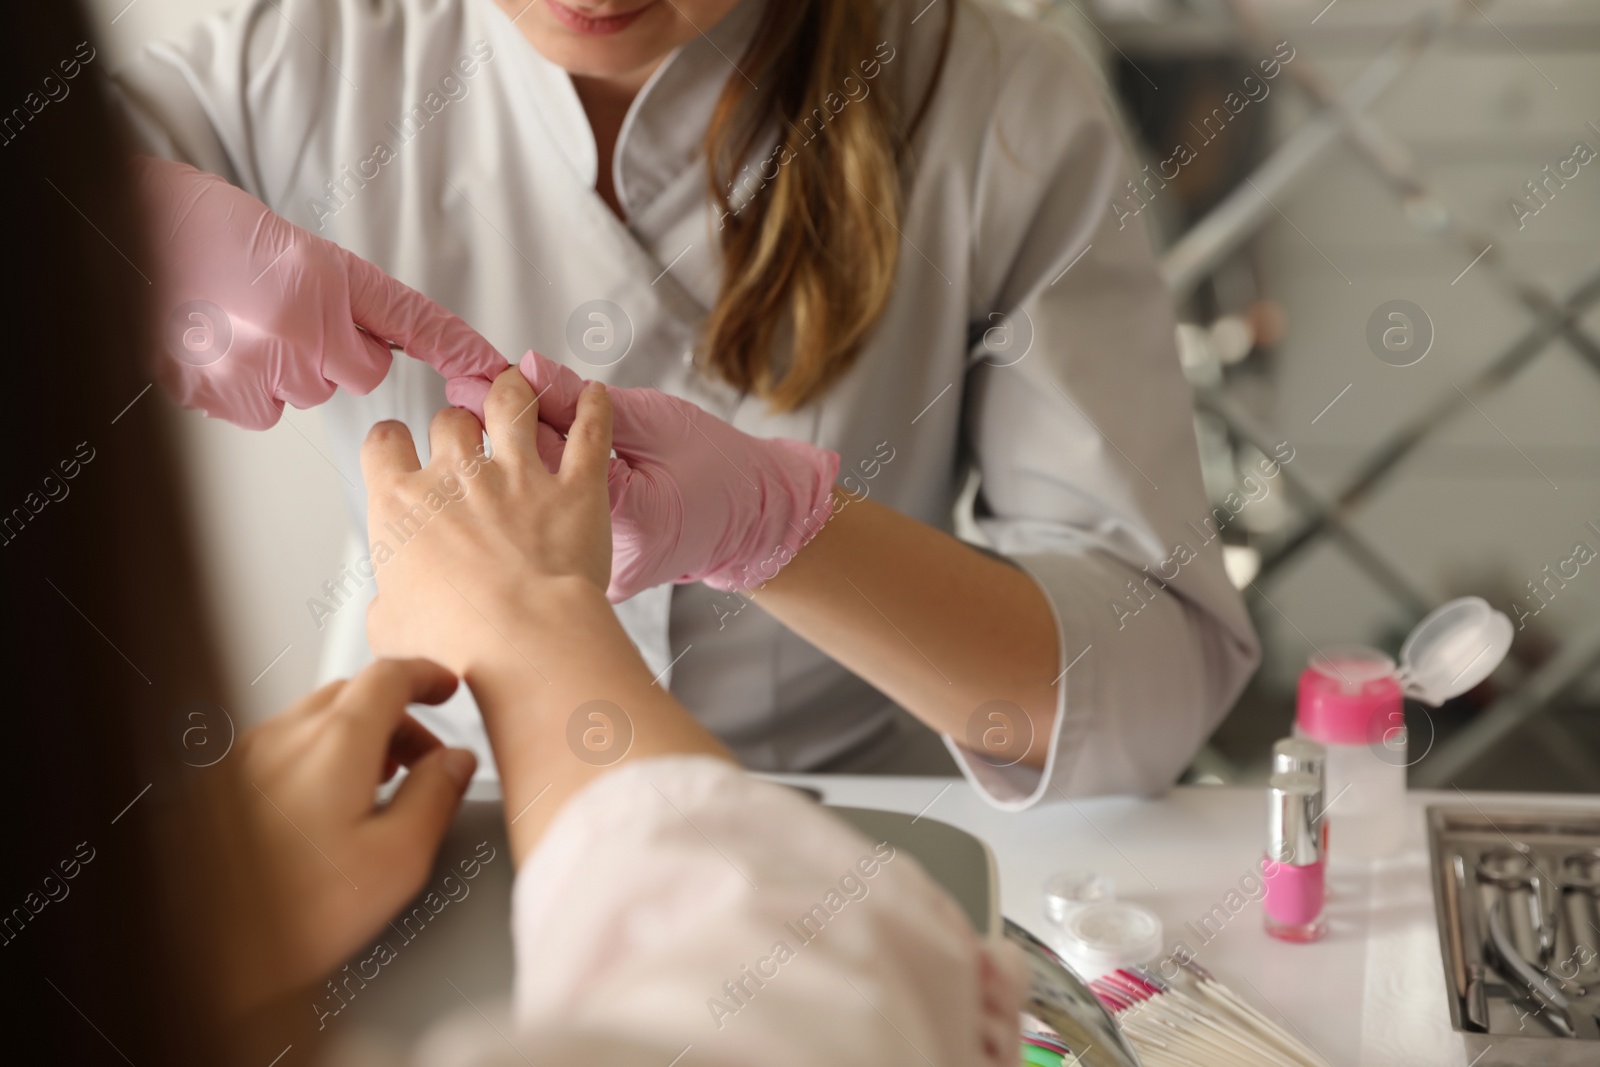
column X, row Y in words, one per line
column 542, row 627
column 553, row 604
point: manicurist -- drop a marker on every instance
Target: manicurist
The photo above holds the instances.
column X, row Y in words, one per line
column 865, row 253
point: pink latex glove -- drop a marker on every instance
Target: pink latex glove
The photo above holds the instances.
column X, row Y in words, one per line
column 257, row 312
column 692, row 498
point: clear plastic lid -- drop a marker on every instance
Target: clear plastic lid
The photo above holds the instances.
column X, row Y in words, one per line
column 1067, row 891
column 1098, row 938
column 1453, row 649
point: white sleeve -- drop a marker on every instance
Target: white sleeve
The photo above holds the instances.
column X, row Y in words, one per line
column 680, row 902
column 255, row 92
column 207, row 96
column 1081, row 426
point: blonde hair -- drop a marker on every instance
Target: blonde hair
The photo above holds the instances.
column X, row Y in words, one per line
column 809, row 253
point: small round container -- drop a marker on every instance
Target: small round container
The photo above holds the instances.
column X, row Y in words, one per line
column 1067, row 891
column 1096, row 939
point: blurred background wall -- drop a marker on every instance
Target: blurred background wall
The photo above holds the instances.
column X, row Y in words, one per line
column 1448, row 452
column 1383, row 162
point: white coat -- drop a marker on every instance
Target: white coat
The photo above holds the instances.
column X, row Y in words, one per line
column 1028, row 337
column 680, row 911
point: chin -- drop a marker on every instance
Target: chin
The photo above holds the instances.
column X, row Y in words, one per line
column 609, row 59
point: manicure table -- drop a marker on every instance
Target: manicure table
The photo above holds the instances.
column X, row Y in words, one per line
column 1372, row 993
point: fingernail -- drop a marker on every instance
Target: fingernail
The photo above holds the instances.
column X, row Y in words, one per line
column 459, row 763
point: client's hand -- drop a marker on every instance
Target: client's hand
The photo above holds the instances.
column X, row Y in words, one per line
column 498, row 568
column 466, row 540
column 692, row 498
column 257, row 312
column 341, row 864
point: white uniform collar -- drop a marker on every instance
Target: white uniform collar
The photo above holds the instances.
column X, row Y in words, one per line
column 664, row 129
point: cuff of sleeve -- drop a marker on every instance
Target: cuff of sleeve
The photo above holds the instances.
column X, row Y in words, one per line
column 1152, row 682
column 1018, row 787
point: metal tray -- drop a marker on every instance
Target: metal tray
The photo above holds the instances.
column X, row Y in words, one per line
column 1534, row 873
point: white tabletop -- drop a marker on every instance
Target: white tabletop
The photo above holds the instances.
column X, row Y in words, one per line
column 1372, row 993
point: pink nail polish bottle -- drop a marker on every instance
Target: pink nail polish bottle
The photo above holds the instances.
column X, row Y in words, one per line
column 1292, row 868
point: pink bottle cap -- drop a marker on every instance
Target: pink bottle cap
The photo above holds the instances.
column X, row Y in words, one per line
column 1348, row 697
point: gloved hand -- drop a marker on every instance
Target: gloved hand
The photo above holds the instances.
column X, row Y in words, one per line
column 692, row 498
column 257, row 312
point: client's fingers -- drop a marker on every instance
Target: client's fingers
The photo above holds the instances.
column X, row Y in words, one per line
column 511, row 417
column 551, row 445
column 588, row 452
column 314, row 702
column 387, row 453
column 372, row 706
column 409, row 743
column 426, row 802
column 453, row 435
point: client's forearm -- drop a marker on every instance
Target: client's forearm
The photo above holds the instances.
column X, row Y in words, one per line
column 565, row 696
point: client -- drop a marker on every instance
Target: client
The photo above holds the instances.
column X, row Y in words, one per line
column 668, row 908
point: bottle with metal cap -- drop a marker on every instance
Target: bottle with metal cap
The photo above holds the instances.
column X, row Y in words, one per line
column 1292, row 868
column 1310, row 757
column 1299, row 754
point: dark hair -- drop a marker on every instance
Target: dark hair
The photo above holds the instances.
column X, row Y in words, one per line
column 110, row 839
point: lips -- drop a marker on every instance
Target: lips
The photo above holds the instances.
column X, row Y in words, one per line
column 595, row 25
